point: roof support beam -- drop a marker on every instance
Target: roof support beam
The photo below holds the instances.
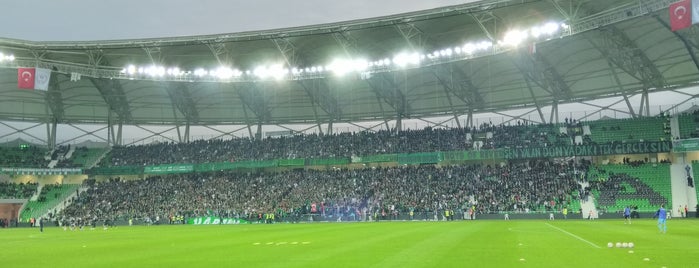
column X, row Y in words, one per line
column 455, row 80
column 488, row 23
column 390, row 92
column 628, row 105
column 537, row 69
column 536, row 102
column 252, row 97
column 23, row 131
column 392, row 96
column 54, row 98
column 451, row 103
column 225, row 133
column 182, row 99
column 154, row 134
column 219, row 51
column 413, row 35
column 554, row 113
column 625, row 54
column 288, row 51
column 602, row 108
column 688, row 45
column 517, row 117
column 319, row 93
column 86, row 133
column 571, row 14
column 114, row 96
column 316, row 89
column 113, row 137
column 51, row 134
column 111, row 89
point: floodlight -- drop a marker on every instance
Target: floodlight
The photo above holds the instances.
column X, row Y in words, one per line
column 277, row 71
column 200, row 72
column 536, row 31
column 11, row 57
column 514, row 37
column 469, row 48
column 261, row 72
column 359, row 65
column 550, row 28
column 338, row 66
column 131, row 69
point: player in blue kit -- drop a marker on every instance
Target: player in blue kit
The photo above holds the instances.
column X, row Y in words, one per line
column 662, row 218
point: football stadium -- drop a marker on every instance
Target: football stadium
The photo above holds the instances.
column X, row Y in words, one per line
column 501, row 133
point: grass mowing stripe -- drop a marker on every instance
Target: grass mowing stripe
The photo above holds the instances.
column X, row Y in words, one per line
column 570, row 234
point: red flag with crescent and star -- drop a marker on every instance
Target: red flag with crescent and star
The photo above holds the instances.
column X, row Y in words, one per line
column 680, row 15
column 33, row 78
column 25, row 78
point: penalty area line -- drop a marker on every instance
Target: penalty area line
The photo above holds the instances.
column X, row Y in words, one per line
column 573, row 235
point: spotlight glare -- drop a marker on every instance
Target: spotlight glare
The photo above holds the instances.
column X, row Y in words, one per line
column 514, row 37
column 200, row 72
column 131, row 69
column 550, row 28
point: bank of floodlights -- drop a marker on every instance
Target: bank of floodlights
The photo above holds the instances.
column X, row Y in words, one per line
column 343, row 66
column 5, row 57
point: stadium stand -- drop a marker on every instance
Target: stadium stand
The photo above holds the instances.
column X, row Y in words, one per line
column 22, row 157
column 50, row 196
column 644, row 185
column 524, row 187
column 17, row 190
column 688, row 125
column 626, row 130
column 347, row 145
column 81, row 158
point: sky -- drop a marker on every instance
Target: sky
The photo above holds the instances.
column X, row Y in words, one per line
column 80, row 20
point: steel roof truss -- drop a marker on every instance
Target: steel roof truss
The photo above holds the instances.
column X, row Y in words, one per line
column 154, row 134
column 224, row 133
column 625, row 54
column 23, row 131
column 86, row 133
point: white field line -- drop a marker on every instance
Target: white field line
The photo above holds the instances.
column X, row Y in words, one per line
column 575, row 236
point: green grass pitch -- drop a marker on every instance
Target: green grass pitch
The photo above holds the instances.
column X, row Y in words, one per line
column 480, row 243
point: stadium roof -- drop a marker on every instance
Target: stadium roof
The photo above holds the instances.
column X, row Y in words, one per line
column 603, row 48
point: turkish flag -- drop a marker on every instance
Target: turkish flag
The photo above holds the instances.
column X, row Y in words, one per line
column 680, row 15
column 25, row 78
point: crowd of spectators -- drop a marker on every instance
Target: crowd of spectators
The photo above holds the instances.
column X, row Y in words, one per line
column 345, row 145
column 29, row 157
column 17, row 190
column 350, row 193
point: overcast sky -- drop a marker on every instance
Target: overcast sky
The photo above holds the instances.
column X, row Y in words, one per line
column 71, row 20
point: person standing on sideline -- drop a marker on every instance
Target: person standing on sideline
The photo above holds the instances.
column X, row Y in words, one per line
column 662, row 219
column 686, row 212
column 41, row 225
column 565, row 213
column 627, row 215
